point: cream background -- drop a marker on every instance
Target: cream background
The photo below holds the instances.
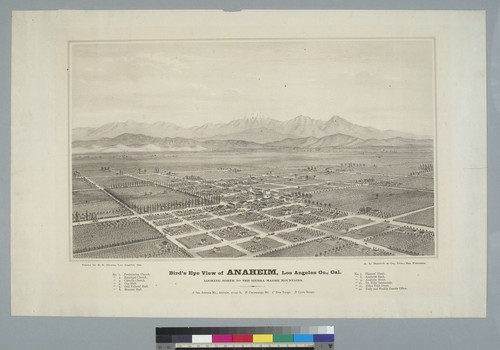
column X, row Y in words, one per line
column 46, row 282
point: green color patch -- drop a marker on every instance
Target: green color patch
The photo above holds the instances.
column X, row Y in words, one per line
column 282, row 338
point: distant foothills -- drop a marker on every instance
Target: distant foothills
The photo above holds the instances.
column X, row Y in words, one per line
column 251, row 132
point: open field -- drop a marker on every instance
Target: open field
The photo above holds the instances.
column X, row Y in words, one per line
column 110, row 180
column 246, row 217
column 417, row 182
column 195, row 241
column 179, row 230
column 385, row 201
column 221, row 252
column 80, row 183
column 424, row 218
column 111, row 233
column 95, row 204
column 164, row 222
column 272, row 225
column 149, row 195
column 285, row 210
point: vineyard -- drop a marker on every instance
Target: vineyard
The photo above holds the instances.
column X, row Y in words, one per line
column 301, row 234
column 212, row 224
column 111, row 233
column 91, row 205
column 234, row 232
column 311, row 248
column 159, row 216
column 387, row 201
column 256, row 245
column 411, row 243
column 370, row 230
column 306, row 219
column 149, row 249
column 273, row 225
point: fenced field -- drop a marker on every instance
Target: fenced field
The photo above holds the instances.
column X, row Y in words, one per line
column 159, row 248
column 424, row 218
column 111, row 233
column 95, row 204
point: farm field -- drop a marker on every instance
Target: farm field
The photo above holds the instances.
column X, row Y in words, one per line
column 306, row 219
column 272, row 225
column 221, row 252
column 370, row 230
column 212, row 224
column 108, row 180
column 168, row 221
column 417, row 182
column 246, row 217
column 158, row 248
column 301, row 234
column 158, row 216
column 328, row 246
column 200, row 240
column 388, row 201
column 95, row 204
column 424, row 218
column 234, row 232
column 179, row 230
column 79, row 183
column 405, row 242
column 285, row 210
column 255, row 246
column 279, row 203
column 106, row 234
column 149, row 195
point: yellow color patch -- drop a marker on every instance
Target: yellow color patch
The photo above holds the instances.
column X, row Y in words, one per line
column 262, row 338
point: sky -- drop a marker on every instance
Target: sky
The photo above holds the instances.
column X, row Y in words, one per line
column 387, row 84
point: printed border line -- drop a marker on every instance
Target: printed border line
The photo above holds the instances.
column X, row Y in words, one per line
column 194, row 40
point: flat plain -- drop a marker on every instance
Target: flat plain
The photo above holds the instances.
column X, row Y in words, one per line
column 253, row 204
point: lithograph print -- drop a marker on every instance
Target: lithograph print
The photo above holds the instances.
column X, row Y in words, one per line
column 259, row 164
column 252, row 148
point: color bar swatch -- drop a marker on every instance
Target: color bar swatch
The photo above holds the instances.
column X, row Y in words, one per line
column 245, row 335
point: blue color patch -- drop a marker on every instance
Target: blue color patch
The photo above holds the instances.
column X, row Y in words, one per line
column 303, row 338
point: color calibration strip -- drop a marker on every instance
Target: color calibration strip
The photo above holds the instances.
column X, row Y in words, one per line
column 269, row 338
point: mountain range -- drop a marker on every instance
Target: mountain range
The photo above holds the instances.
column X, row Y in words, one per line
column 254, row 127
column 143, row 143
column 252, row 132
